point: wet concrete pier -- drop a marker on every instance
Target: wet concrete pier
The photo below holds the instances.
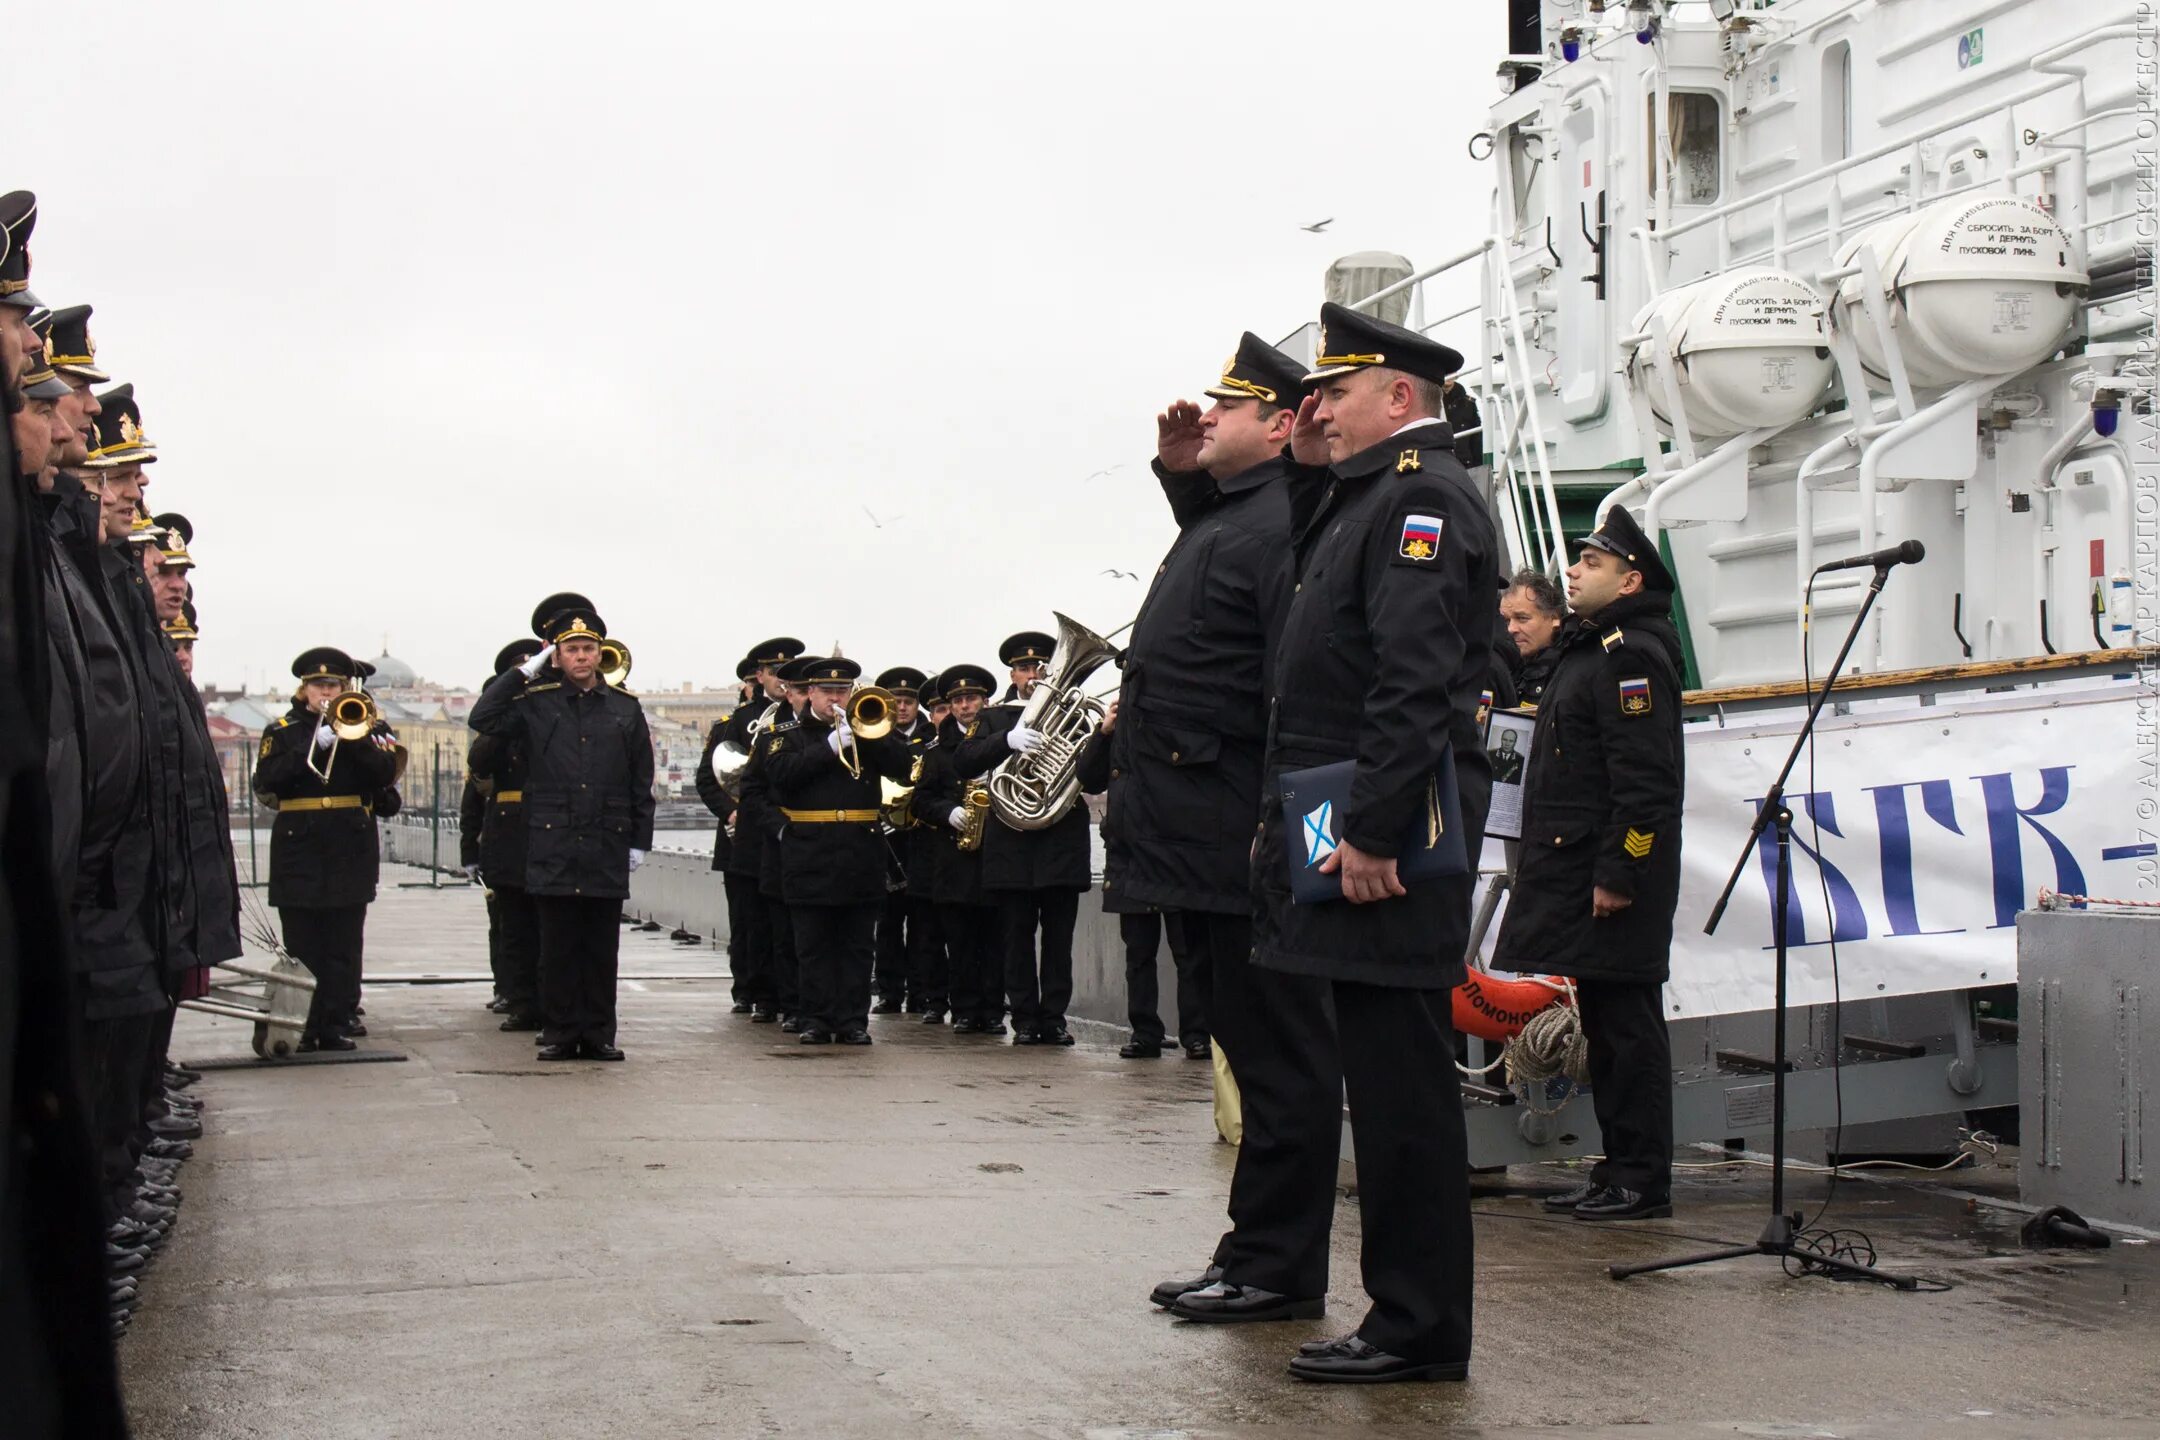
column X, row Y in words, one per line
column 731, row 1235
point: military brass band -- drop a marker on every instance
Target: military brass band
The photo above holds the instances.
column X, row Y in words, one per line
column 916, row 842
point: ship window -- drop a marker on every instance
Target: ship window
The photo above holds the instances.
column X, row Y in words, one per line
column 1696, row 139
column 1525, row 157
column 1837, row 101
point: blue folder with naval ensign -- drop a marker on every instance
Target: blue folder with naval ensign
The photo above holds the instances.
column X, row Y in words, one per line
column 1313, row 803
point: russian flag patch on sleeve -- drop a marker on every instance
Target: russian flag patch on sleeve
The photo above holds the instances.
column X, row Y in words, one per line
column 1420, row 537
column 1634, row 697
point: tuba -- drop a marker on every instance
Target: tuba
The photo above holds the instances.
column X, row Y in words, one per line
column 729, row 760
column 614, row 663
column 1034, row 791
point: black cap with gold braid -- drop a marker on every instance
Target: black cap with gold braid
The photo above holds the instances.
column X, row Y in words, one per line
column 1352, row 340
column 829, row 670
column 120, row 437
column 1620, row 536
column 554, row 605
column 1259, row 371
column 18, row 217
column 69, row 349
column 174, row 542
column 579, row 622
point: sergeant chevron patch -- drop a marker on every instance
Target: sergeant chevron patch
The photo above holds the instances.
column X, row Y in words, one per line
column 1636, row 843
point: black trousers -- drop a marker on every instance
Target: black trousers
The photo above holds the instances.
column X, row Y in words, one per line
column 115, row 1051
column 975, row 960
column 1630, row 1082
column 835, row 948
column 749, row 941
column 1142, row 934
column 517, row 976
column 785, row 966
column 327, row 939
column 1391, row 1050
column 910, row 959
column 579, row 938
column 494, row 909
column 152, row 1094
column 1038, row 988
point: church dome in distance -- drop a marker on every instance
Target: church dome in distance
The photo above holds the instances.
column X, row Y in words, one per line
column 391, row 673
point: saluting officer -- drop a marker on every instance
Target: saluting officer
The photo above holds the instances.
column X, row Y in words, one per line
column 1382, row 662
column 1597, row 874
column 323, row 852
column 968, row 918
column 822, row 780
column 1036, row 877
column 713, row 792
column 748, row 913
column 907, row 930
column 588, row 802
column 499, row 764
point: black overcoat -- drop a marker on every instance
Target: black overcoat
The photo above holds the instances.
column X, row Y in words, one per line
column 824, row 862
column 1053, row 858
column 322, row 858
column 589, row 780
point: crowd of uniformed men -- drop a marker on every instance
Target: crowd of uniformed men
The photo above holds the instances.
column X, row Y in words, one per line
column 1335, row 593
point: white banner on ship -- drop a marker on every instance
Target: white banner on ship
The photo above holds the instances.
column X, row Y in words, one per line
column 1937, row 825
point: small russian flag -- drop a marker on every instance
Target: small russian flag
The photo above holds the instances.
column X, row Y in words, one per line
column 1635, row 697
column 1420, row 537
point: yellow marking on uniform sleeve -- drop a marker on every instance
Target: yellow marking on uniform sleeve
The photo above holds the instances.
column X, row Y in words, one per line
column 1637, row 843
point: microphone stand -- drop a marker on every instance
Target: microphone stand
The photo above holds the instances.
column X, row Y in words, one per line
column 1779, row 1236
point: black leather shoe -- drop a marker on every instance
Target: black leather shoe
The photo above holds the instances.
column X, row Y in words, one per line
column 515, row 1023
column 1199, row 1050
column 357, row 1032
column 763, row 1015
column 499, row 1005
column 1056, row 1035
column 992, row 1027
column 179, row 1077
column 854, row 1037
column 328, row 1042
column 556, row 1052
column 738, row 1008
column 1350, row 1361
column 965, row 1026
column 933, row 1017
column 170, row 1149
column 816, row 1035
column 886, row 1007
column 124, row 1259
column 1567, row 1200
column 1620, row 1203
column 600, row 1052
column 1225, row 1304
column 1166, row 1294
column 1027, row 1037
column 791, row 1026
column 175, row 1128
column 1140, row 1050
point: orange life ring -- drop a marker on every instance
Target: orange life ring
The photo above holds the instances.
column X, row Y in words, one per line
column 1492, row 1008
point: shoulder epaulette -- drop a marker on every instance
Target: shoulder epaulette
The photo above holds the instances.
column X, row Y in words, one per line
column 282, row 722
column 1613, row 639
column 793, row 722
column 543, row 685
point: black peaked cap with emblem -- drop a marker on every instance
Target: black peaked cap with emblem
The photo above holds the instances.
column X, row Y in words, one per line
column 576, row 622
column 829, row 670
column 746, row 668
column 69, row 349
column 554, row 605
column 791, row 670
column 40, row 381
column 1352, row 340
column 18, row 217
column 1620, row 535
column 1027, row 645
column 933, row 687
column 178, row 535
column 327, row 662
column 957, row 680
column 1260, row 371
column 183, row 626
column 776, row 651
column 517, row 652
column 120, row 437
column 903, row 680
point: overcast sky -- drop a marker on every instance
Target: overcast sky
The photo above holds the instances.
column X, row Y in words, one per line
column 433, row 309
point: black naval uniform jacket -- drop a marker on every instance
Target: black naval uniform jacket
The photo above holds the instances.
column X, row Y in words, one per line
column 322, row 857
column 498, row 763
column 589, row 780
column 715, row 795
column 1383, row 661
column 955, row 874
column 1535, row 673
column 746, row 852
column 471, row 817
column 917, row 845
column 1184, row 761
column 1053, row 858
column 157, row 674
column 825, row 861
column 211, row 871
column 1602, row 802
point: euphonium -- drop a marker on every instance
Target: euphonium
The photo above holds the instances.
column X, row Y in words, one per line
column 1034, row 791
column 729, row 759
column 614, row 663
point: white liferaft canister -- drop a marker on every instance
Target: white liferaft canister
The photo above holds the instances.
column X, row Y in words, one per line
column 1746, row 347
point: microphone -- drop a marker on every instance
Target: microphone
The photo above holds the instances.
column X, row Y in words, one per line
column 1911, row 552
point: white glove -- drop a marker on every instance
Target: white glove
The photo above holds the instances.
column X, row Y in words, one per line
column 472, row 871
column 957, row 819
column 637, row 858
column 538, row 662
column 1022, row 739
column 325, row 737
column 837, row 740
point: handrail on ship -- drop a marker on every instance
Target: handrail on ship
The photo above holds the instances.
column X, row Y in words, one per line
column 1925, row 679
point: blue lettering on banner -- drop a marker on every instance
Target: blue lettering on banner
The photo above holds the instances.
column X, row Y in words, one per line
column 1848, row 916
column 1894, row 830
column 2005, row 843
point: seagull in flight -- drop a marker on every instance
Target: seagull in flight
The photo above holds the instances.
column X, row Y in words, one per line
column 1317, row 226
column 1096, row 476
column 880, row 523
column 1122, row 574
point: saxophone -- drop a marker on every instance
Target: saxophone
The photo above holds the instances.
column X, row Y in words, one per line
column 975, row 800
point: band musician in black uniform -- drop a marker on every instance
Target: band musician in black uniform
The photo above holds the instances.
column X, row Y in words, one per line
column 967, row 914
column 750, row 917
column 1036, row 876
column 822, row 780
column 498, row 768
column 1383, row 663
column 588, row 802
column 714, row 794
column 1597, row 875
column 910, row 958
column 772, row 879
column 323, row 853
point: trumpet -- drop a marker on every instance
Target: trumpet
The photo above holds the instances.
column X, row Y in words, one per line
column 868, row 715
column 614, row 663
column 353, row 715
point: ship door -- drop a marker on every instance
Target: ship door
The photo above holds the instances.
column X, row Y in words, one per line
column 1584, row 231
